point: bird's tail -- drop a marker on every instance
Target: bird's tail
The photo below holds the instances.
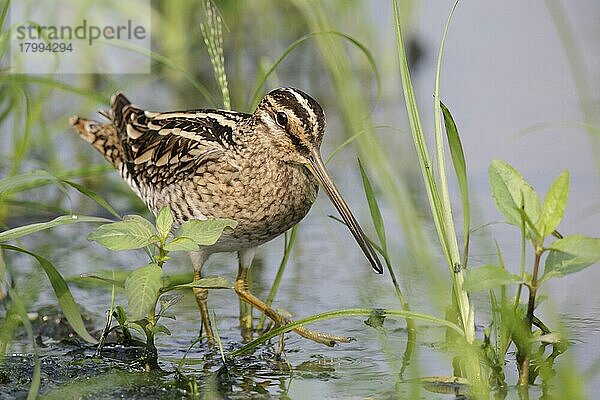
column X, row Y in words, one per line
column 103, row 137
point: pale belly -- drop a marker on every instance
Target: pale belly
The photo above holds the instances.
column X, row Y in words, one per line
column 264, row 204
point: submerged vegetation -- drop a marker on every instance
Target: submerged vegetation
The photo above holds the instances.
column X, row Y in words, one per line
column 37, row 185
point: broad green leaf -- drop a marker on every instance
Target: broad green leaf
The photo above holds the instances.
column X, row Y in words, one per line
column 137, row 326
column 205, row 232
column 488, row 277
column 142, row 288
column 511, row 193
column 181, row 244
column 460, row 167
column 162, row 329
column 164, row 222
column 373, row 208
column 209, row 282
column 62, row 292
column 571, row 254
column 133, row 232
column 21, row 231
column 554, row 205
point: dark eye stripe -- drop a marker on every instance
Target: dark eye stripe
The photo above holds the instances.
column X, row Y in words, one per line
column 287, row 100
column 305, row 109
column 300, row 147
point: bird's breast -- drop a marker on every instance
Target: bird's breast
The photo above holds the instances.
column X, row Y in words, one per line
column 266, row 198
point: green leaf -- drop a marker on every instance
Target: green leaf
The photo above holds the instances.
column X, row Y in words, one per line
column 460, row 167
column 162, row 329
column 181, row 244
column 62, row 292
column 511, row 192
column 554, row 205
column 205, row 232
column 121, row 315
column 21, row 231
column 488, row 277
column 133, row 232
column 209, row 282
column 571, row 254
column 376, row 320
column 373, row 208
column 142, row 288
column 137, row 326
column 164, row 222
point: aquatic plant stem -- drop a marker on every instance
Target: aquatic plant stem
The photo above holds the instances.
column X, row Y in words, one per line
column 287, row 249
column 525, row 358
column 350, row 312
column 440, row 216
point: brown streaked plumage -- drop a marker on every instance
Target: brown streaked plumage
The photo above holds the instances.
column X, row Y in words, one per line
column 262, row 170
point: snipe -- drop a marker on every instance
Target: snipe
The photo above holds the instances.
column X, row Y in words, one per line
column 262, row 170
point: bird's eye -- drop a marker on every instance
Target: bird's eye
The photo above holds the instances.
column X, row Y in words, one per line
column 281, row 118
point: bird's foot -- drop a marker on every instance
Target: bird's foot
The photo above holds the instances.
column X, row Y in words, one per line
column 241, row 288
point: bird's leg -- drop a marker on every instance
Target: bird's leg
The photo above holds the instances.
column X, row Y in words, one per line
column 241, row 288
column 245, row 258
column 201, row 294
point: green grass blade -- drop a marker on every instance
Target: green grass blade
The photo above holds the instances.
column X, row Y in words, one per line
column 21, row 137
column 447, row 221
column 208, row 282
column 18, row 305
column 460, row 168
column 20, row 182
column 39, row 178
column 21, row 231
column 350, row 312
column 439, row 212
column 94, row 196
column 62, row 292
column 287, row 251
column 4, row 13
column 373, row 208
column 36, row 179
column 419, row 137
column 36, row 380
column 23, row 80
column 256, row 95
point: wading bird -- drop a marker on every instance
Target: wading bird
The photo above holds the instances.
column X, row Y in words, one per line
column 262, row 170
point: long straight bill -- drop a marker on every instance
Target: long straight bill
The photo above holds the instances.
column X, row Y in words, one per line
column 317, row 168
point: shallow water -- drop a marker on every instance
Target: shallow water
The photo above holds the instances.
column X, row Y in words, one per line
column 504, row 71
